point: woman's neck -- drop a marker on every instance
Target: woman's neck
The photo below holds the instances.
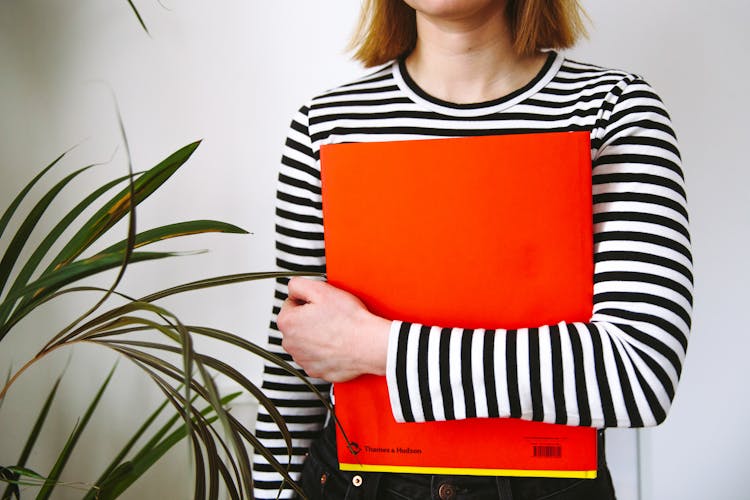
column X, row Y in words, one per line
column 469, row 59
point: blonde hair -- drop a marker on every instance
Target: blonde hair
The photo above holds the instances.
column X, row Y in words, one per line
column 387, row 29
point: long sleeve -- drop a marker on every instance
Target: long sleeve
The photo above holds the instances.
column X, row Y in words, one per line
column 622, row 367
column 299, row 247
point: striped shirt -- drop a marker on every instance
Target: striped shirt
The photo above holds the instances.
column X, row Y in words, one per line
column 620, row 369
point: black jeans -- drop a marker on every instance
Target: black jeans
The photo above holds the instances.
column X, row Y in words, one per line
column 322, row 480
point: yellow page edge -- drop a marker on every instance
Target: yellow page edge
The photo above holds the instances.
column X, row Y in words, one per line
column 581, row 474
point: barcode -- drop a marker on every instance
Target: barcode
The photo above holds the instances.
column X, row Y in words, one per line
column 548, row 451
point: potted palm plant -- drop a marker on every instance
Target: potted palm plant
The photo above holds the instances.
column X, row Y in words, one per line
column 138, row 329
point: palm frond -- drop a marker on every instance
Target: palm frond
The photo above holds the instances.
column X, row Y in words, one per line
column 13, row 251
column 12, row 488
column 219, row 443
column 122, row 474
column 119, row 206
column 33, row 262
column 175, row 231
column 65, row 453
column 138, row 15
column 11, row 210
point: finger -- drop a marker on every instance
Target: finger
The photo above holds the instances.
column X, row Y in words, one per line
column 292, row 302
column 285, row 318
column 304, row 290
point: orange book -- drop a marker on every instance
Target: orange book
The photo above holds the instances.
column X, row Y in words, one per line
column 479, row 232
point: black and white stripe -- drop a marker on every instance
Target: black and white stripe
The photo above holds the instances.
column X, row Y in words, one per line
column 619, row 369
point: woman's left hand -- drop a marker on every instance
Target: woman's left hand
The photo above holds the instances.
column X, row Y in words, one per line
column 330, row 333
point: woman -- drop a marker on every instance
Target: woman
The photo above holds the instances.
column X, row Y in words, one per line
column 476, row 67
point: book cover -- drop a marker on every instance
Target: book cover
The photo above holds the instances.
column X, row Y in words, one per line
column 477, row 232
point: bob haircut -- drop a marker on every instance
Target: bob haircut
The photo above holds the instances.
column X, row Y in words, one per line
column 388, row 28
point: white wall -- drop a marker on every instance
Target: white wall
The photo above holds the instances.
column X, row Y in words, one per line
column 233, row 71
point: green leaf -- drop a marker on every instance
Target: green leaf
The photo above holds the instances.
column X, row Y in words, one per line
column 223, row 280
column 72, row 273
column 177, row 230
column 100, row 490
column 13, row 476
column 34, row 434
column 273, row 358
column 213, row 457
column 30, row 222
column 8, row 475
column 41, row 251
column 147, row 453
column 232, row 373
column 246, row 345
column 158, row 435
column 19, row 471
column 67, row 450
column 119, row 206
column 21, row 313
column 118, row 319
column 196, row 432
column 135, row 192
column 220, row 366
column 138, row 15
column 265, row 453
column 29, row 446
column 235, row 375
column 229, row 483
column 176, row 331
column 199, row 430
column 116, row 463
column 19, row 198
column 129, row 472
column 228, row 371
